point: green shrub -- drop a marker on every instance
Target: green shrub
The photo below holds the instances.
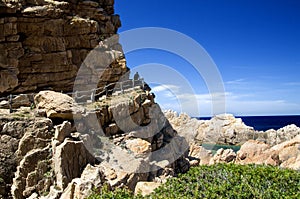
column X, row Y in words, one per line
column 105, row 193
column 224, row 181
column 233, row 181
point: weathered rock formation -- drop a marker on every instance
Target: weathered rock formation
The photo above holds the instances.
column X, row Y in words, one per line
column 286, row 154
column 226, row 129
column 277, row 148
column 221, row 129
column 43, row 44
column 23, row 142
column 118, row 141
column 51, row 147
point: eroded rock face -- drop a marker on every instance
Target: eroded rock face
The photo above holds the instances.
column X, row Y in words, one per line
column 226, row 129
column 137, row 144
column 283, row 134
column 286, row 154
column 30, row 177
column 44, row 43
column 92, row 178
column 19, row 136
column 184, row 125
column 124, row 139
column 70, row 158
column 221, row 129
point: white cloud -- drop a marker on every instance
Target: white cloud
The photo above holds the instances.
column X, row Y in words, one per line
column 237, row 81
column 209, row 104
column 167, row 87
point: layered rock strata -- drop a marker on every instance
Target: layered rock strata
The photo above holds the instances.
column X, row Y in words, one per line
column 44, row 43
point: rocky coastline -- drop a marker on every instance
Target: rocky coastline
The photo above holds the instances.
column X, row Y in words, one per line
column 53, row 145
column 277, row 148
column 38, row 144
column 227, row 130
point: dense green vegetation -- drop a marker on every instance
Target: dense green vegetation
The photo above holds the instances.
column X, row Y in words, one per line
column 224, row 181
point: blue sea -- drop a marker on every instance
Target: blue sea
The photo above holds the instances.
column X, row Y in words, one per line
column 263, row 123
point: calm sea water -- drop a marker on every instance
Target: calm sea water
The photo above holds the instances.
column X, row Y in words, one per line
column 263, row 123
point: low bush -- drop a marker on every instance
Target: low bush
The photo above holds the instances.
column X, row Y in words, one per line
column 226, row 181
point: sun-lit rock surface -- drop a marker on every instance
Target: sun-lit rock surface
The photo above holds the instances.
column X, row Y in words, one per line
column 43, row 44
column 226, row 129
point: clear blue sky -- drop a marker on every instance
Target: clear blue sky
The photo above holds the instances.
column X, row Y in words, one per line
column 254, row 43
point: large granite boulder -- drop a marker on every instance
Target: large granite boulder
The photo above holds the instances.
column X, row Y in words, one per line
column 57, row 105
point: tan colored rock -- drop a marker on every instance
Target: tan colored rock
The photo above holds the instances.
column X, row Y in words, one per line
column 138, row 146
column 57, row 105
column 80, row 188
column 33, row 196
column 24, row 182
column 22, row 100
column 62, row 131
column 289, row 153
column 145, row 188
column 40, row 137
column 122, row 167
column 41, row 41
column 8, row 146
column 112, row 129
column 69, row 191
column 251, row 149
column 198, row 155
column 184, row 125
column 69, row 159
column 13, row 146
column 114, row 176
column 54, row 193
column 283, row 134
column 285, row 154
column 226, row 129
column 292, row 163
column 223, row 156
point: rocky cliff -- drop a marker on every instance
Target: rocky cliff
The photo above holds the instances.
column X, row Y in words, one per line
column 52, row 147
column 43, row 43
column 61, row 149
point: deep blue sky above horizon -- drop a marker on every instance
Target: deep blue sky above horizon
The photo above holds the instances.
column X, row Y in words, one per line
column 255, row 45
